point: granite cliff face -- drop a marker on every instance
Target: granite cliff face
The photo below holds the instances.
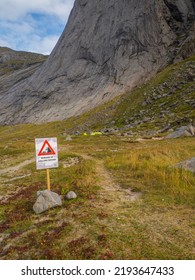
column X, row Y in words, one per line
column 107, row 48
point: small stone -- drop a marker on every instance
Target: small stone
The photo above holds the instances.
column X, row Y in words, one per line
column 71, row 195
column 68, row 138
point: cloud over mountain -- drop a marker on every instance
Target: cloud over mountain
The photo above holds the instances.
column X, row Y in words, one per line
column 33, row 25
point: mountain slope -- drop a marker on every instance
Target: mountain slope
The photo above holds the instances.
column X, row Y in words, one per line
column 15, row 67
column 165, row 102
column 11, row 60
column 106, row 48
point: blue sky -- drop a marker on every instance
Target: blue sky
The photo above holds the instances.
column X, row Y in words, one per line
column 33, row 25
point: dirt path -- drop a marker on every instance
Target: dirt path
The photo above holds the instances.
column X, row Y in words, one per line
column 106, row 181
column 109, row 187
column 16, row 167
column 11, row 170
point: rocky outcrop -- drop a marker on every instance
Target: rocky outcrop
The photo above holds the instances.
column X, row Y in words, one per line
column 183, row 131
column 107, row 47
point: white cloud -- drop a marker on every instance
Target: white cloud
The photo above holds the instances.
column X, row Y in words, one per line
column 14, row 9
column 33, row 25
column 46, row 44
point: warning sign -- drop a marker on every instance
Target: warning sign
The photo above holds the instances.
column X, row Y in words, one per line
column 46, row 149
column 46, row 153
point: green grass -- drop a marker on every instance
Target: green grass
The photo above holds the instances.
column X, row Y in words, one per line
column 153, row 171
column 101, row 224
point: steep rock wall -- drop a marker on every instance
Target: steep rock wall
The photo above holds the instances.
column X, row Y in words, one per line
column 107, row 47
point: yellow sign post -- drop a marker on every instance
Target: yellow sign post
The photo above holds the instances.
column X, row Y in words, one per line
column 48, row 180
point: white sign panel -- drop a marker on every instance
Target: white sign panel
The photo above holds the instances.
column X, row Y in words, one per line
column 46, row 153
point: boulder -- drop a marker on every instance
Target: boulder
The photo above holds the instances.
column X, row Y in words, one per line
column 45, row 200
column 182, row 131
column 191, row 129
column 187, row 164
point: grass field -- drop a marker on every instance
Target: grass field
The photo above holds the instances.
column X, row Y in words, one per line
column 132, row 203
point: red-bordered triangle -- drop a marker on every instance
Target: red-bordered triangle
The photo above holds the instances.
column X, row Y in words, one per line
column 46, row 149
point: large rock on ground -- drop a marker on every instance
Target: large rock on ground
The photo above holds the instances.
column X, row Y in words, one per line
column 45, row 200
column 183, row 131
column 107, row 47
column 187, row 164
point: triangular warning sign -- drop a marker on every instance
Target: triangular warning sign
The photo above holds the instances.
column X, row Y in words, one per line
column 46, row 149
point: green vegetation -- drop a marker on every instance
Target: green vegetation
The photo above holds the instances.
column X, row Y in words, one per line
column 103, row 222
column 150, row 170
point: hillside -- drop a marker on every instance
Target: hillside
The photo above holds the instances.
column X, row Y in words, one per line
column 15, row 67
column 11, row 60
column 165, row 102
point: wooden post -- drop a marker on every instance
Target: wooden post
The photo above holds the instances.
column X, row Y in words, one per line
column 48, row 180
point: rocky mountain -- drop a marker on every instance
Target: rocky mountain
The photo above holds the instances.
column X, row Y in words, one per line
column 107, row 48
column 11, row 60
column 16, row 66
